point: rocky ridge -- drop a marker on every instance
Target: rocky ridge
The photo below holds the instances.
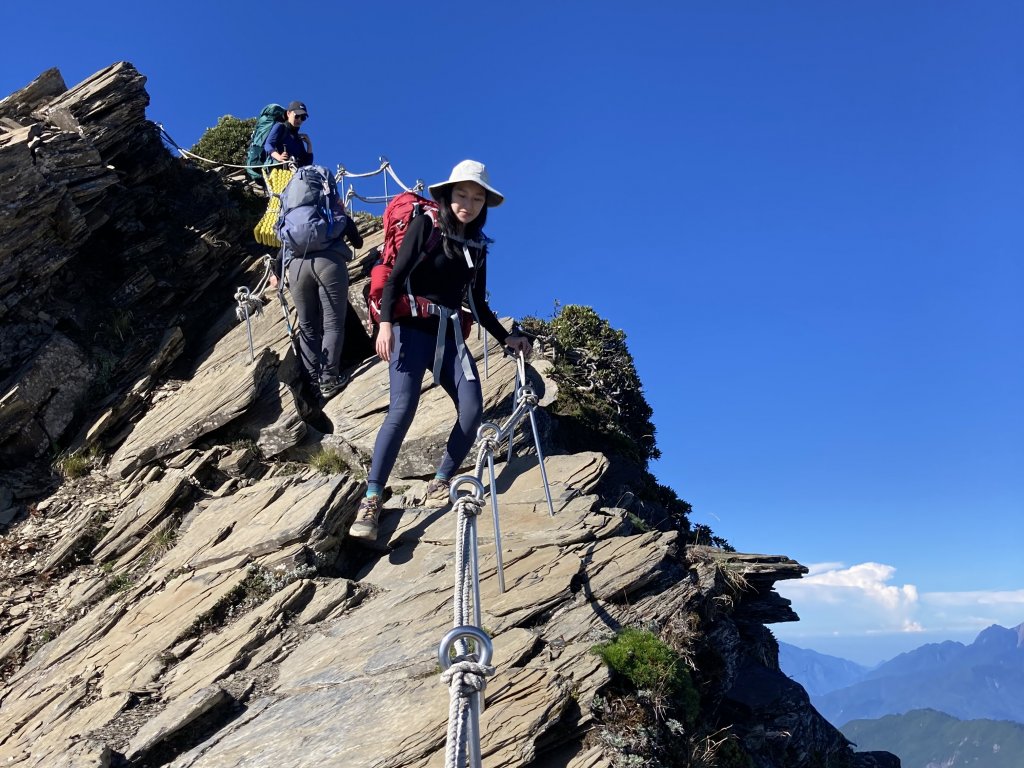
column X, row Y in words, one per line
column 193, row 602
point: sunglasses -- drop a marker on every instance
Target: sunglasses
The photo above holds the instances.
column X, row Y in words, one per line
column 301, row 118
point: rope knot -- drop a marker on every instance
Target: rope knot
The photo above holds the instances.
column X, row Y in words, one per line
column 466, row 676
column 469, row 505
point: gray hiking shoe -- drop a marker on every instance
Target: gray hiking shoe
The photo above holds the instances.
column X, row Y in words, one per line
column 437, row 493
column 365, row 525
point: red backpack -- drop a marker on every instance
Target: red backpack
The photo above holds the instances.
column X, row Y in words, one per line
column 397, row 216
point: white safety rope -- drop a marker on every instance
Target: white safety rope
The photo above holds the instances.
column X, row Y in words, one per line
column 466, row 675
column 467, row 509
column 185, row 153
column 466, row 679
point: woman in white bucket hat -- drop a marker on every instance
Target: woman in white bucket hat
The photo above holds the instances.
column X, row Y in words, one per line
column 445, row 270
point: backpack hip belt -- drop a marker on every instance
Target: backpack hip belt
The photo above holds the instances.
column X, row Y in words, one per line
column 455, row 316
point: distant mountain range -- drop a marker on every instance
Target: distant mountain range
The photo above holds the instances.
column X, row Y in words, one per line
column 929, row 739
column 983, row 680
column 816, row 672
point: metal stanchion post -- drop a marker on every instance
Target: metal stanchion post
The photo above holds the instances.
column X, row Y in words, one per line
column 481, row 435
column 485, row 650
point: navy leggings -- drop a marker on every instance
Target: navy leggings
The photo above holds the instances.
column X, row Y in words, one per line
column 319, row 287
column 412, row 357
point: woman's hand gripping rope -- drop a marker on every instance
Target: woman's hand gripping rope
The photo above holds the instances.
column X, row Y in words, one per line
column 518, row 344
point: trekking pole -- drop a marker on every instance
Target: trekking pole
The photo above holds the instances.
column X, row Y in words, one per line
column 512, row 431
column 488, row 445
column 281, row 283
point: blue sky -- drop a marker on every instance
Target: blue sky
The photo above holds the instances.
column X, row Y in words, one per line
column 805, row 216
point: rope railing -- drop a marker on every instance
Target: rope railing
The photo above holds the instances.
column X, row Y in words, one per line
column 193, row 156
column 384, row 169
column 466, row 675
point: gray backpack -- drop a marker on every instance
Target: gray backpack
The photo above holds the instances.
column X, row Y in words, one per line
column 312, row 216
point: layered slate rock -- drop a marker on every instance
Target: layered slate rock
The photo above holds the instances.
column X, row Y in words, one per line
column 18, row 107
column 138, row 640
column 384, row 652
column 37, row 409
column 109, row 240
column 224, row 386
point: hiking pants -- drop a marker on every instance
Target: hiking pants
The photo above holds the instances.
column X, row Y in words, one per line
column 412, row 357
column 319, row 288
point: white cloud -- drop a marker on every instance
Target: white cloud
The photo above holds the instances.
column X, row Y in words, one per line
column 973, row 599
column 912, row 626
column 833, row 583
column 840, row 600
column 858, row 612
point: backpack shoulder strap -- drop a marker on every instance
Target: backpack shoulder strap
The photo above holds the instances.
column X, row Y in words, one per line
column 435, row 231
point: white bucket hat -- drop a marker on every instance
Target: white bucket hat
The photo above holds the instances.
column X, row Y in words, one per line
column 470, row 170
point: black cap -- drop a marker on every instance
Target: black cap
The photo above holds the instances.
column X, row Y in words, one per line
column 298, row 108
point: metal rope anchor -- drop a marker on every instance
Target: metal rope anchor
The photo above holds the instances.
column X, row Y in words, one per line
column 469, row 520
column 484, row 652
column 248, row 305
column 481, row 435
column 524, row 400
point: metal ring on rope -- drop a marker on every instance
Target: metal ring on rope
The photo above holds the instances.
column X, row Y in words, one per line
column 485, row 648
column 462, row 480
column 488, row 444
column 466, row 678
column 489, row 436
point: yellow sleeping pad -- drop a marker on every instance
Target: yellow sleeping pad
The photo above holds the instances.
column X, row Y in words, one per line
column 276, row 181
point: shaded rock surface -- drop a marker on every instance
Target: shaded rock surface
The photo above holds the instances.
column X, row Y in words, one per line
column 193, row 601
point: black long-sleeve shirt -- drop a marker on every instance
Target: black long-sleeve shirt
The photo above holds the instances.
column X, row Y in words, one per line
column 437, row 278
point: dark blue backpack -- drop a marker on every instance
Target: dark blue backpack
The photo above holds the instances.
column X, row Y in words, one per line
column 312, row 216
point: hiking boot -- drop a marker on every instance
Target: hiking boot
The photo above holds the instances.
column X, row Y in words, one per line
column 332, row 385
column 365, row 525
column 437, row 493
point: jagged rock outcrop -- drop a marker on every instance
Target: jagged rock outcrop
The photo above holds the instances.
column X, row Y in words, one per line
column 115, row 258
column 194, row 602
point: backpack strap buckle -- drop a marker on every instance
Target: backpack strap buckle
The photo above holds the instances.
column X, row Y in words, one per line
column 446, row 314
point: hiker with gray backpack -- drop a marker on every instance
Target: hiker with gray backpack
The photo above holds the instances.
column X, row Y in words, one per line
column 312, row 227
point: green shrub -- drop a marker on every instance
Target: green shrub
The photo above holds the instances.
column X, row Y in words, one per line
column 117, row 582
column 328, row 461
column 227, row 141
column 73, row 465
column 599, row 394
column 648, row 664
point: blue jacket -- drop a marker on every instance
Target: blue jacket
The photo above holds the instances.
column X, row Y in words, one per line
column 283, row 137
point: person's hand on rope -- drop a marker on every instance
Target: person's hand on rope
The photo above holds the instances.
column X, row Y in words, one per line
column 518, row 343
column 385, row 342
